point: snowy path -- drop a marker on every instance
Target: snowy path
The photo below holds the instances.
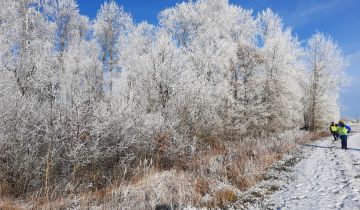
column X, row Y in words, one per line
column 328, row 178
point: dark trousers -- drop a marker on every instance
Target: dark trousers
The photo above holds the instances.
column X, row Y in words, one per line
column 335, row 135
column 343, row 142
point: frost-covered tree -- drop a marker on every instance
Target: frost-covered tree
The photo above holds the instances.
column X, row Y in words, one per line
column 68, row 22
column 325, row 65
column 27, row 62
column 110, row 24
column 148, row 92
column 70, row 27
column 210, row 45
column 246, row 86
column 282, row 73
column 26, row 28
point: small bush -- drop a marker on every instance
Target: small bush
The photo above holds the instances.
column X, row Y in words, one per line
column 225, row 197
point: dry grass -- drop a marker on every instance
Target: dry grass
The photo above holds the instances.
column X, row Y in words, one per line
column 224, row 197
column 202, row 186
column 162, row 141
column 169, row 188
column 319, row 134
column 314, row 136
column 190, row 180
column 83, row 200
column 9, row 204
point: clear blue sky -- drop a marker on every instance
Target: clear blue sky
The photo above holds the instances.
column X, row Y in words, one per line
column 338, row 18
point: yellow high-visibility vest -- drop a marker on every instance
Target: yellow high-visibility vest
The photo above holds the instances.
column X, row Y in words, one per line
column 333, row 128
column 343, row 131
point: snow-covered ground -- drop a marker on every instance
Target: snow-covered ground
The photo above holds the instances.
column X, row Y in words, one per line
column 327, row 178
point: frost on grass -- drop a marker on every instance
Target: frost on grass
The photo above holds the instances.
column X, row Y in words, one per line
column 173, row 189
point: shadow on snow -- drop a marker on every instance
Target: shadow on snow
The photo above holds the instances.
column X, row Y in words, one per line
column 329, row 147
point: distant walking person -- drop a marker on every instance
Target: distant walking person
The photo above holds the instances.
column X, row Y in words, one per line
column 343, row 131
column 334, row 130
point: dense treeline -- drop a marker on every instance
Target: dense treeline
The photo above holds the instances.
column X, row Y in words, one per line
column 89, row 99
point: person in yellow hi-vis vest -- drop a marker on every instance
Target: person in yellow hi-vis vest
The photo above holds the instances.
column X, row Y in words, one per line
column 343, row 131
column 334, row 130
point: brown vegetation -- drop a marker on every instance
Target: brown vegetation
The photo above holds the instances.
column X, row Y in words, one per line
column 216, row 162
